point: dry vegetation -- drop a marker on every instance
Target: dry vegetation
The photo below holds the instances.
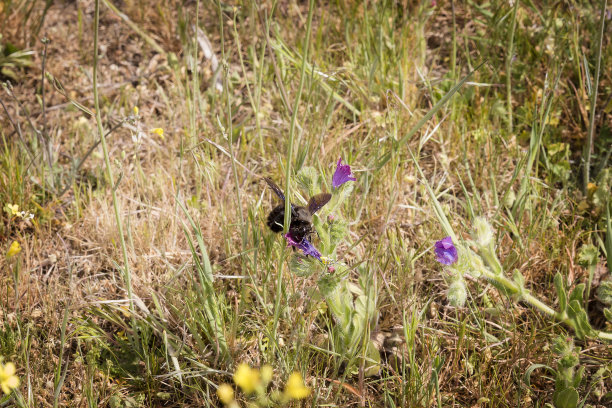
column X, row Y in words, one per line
column 374, row 69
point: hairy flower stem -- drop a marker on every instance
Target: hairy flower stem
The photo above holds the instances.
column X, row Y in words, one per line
column 109, row 172
column 501, row 281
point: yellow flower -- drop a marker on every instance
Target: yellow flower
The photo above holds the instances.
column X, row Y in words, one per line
column 8, row 379
column 225, row 392
column 136, row 110
column 591, row 188
column 266, row 374
column 158, row 131
column 14, row 249
column 246, row 378
column 13, row 209
column 295, row 388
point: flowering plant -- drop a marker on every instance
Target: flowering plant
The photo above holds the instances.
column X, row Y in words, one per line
column 352, row 305
column 254, row 384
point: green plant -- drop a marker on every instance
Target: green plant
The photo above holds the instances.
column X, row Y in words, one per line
column 12, row 60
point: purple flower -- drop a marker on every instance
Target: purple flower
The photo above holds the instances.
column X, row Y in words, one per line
column 446, row 253
column 304, row 245
column 342, row 175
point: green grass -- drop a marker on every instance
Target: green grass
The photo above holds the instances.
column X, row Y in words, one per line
column 148, row 273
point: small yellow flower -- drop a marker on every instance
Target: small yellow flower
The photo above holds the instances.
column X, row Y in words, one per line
column 225, row 392
column 158, row 131
column 591, row 188
column 136, row 110
column 13, row 209
column 295, row 388
column 14, row 249
column 246, row 378
column 8, row 379
column 266, row 374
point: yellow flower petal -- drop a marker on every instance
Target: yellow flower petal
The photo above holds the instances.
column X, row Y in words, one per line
column 158, row 131
column 13, row 209
column 225, row 392
column 8, row 380
column 12, row 382
column 9, row 369
column 246, row 378
column 13, row 250
column 136, row 110
column 266, row 374
column 295, row 388
column 591, row 188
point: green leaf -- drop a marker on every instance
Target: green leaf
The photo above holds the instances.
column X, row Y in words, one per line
column 567, row 398
column 302, row 267
column 308, row 179
column 578, row 377
column 9, row 73
column 608, row 314
column 532, row 368
column 337, row 231
column 519, row 279
column 604, row 292
column 576, row 313
column 588, row 256
column 372, row 363
column 328, row 284
column 577, row 293
column 560, row 292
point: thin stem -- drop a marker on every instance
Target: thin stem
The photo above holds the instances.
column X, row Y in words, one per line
column 109, row 172
column 230, row 132
column 254, row 105
column 294, row 118
column 589, row 141
column 84, row 158
column 509, row 57
column 454, row 59
column 45, row 136
column 147, row 38
column 287, row 220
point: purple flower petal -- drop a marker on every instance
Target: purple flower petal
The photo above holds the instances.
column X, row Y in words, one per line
column 446, row 253
column 342, row 174
column 305, row 245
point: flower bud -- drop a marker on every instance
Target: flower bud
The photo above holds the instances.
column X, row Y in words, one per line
column 457, row 293
column 510, row 199
column 483, row 232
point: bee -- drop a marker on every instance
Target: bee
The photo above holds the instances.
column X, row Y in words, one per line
column 301, row 217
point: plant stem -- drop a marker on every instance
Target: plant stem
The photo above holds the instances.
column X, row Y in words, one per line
column 589, row 141
column 512, row 287
column 509, row 67
column 147, row 38
column 294, row 117
column 230, row 132
column 287, row 220
column 109, row 172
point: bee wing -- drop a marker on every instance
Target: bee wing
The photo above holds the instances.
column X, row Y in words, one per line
column 317, row 202
column 275, row 188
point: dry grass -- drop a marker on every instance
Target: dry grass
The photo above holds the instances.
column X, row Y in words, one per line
column 392, row 67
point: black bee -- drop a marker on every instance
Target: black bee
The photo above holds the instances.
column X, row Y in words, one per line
column 301, row 217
